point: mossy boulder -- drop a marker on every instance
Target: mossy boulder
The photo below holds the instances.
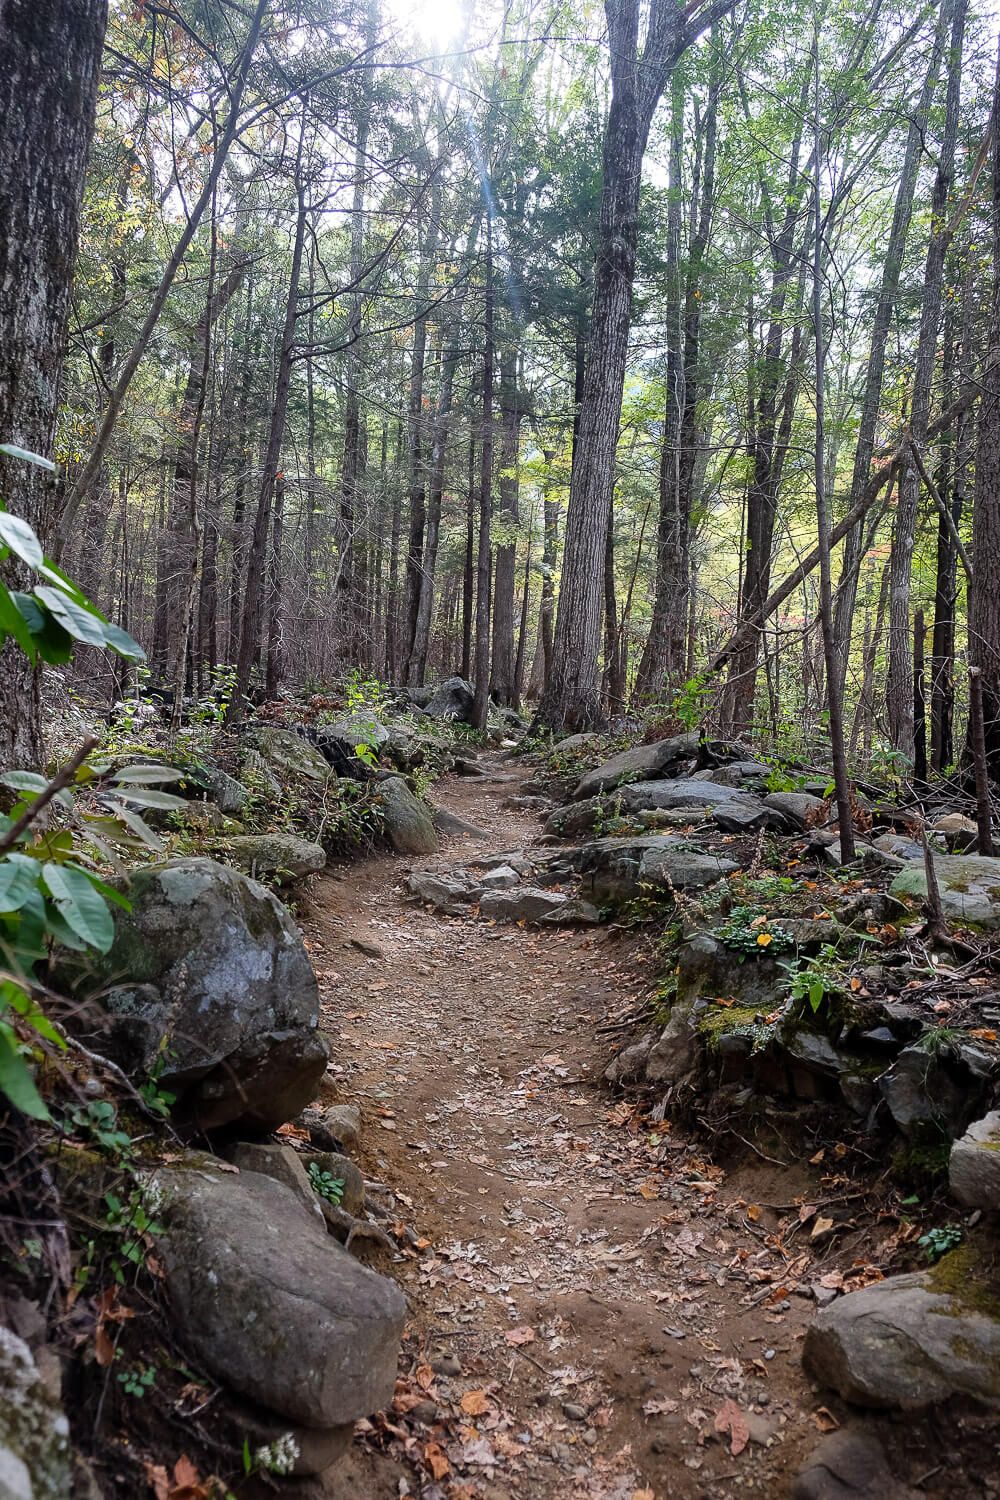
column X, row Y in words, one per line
column 969, row 886
column 288, row 753
column 974, row 1166
column 912, row 1341
column 408, row 822
column 208, row 982
column 280, row 856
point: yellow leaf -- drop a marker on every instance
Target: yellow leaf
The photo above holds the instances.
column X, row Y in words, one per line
column 763, row 938
column 474, row 1403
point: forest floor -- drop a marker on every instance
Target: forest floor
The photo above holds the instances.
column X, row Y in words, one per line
column 598, row 1311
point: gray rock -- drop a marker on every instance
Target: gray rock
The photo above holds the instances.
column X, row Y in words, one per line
column 288, row 753
column 283, row 1163
column 343, row 1121
column 447, row 823
column 219, row 996
column 526, row 904
column 500, row 878
column 673, row 1057
column 706, row 968
column 228, row 794
column 849, row 1465
column 814, row 1051
column 614, row 870
column 969, row 885
column 34, row 1432
column 451, row 699
column 801, row 809
column 408, row 821
column 514, row 859
column 573, row 913
column 276, row 854
column 319, row 1447
column 629, row 1065
column 271, row 1304
column 743, row 814
column 449, row 891
column 907, row 1342
column 925, row 1088
column 898, row 846
column 574, row 742
column 358, row 729
column 673, row 817
column 640, row 763
column 974, row 1167
column 678, row 792
column 403, row 748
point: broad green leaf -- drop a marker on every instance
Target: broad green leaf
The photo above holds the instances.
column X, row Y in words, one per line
column 13, row 451
column 32, row 1012
column 12, row 622
column 136, row 823
column 75, row 618
column 30, row 781
column 16, row 1081
column 18, row 878
column 83, row 908
column 21, row 539
column 146, row 797
column 53, row 643
column 119, row 640
column 147, row 775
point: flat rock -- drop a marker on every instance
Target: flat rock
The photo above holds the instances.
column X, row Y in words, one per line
column 448, row 891
column 409, row 823
column 908, row 1342
column 614, row 870
column 281, row 855
column 640, row 763
column 500, row 878
column 742, row 814
column 526, row 904
column 974, row 1166
column 801, row 809
column 969, row 885
column 271, row 1304
column 219, row 995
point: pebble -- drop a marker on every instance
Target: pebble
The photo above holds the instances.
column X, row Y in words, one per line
column 590, row 1437
column 574, row 1412
column 446, row 1364
column 425, row 1411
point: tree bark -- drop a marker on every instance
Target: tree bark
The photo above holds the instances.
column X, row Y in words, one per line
column 50, row 57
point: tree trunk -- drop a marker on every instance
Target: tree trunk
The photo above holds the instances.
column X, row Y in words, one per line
column 481, row 704
column 505, row 562
column 50, row 57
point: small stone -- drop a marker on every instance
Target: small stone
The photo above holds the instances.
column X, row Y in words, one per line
column 425, row 1411
column 590, row 1437
column 574, row 1411
column 446, row 1364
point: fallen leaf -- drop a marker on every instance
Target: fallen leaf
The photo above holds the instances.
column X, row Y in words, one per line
column 517, row 1336
column 659, row 1407
column 475, row 1403
column 436, row 1461
column 730, row 1419
column 753, row 1212
column 825, row 1420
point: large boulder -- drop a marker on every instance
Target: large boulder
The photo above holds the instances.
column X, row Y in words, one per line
column 358, row 729
column 288, row 753
column 933, row 1089
column 210, row 984
column 974, row 1167
column 849, row 1465
column 640, row 763
column 229, row 795
column 451, row 699
column 409, row 823
column 270, row 1304
column 280, row 855
column 969, row 886
column 910, row 1341
column 615, row 870
column 34, row 1432
column 799, row 809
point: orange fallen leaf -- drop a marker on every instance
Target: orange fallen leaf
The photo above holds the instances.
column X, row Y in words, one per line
column 753, row 1212
column 522, row 1335
column 475, row 1403
column 435, row 1460
column 825, row 1420
column 730, row 1419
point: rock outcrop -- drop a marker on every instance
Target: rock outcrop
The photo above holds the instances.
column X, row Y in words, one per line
column 210, row 984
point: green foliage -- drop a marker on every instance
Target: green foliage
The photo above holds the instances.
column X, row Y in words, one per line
column 939, row 1240
column 136, row 1382
column 816, row 980
column 748, row 932
column 324, row 1184
column 49, row 889
column 693, row 699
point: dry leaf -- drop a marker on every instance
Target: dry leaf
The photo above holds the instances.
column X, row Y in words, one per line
column 730, row 1419
column 523, row 1335
column 435, row 1460
column 753, row 1212
column 424, row 1376
column 825, row 1420
column 821, row 1227
column 475, row 1403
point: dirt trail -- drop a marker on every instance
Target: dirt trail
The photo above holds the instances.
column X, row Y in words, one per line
column 596, row 1293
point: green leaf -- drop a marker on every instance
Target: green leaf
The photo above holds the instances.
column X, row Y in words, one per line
column 119, row 640
column 75, row 618
column 54, row 644
column 15, row 1078
column 19, row 876
column 147, row 775
column 12, row 622
column 146, row 797
column 13, row 451
column 30, row 781
column 83, row 908
column 21, row 539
